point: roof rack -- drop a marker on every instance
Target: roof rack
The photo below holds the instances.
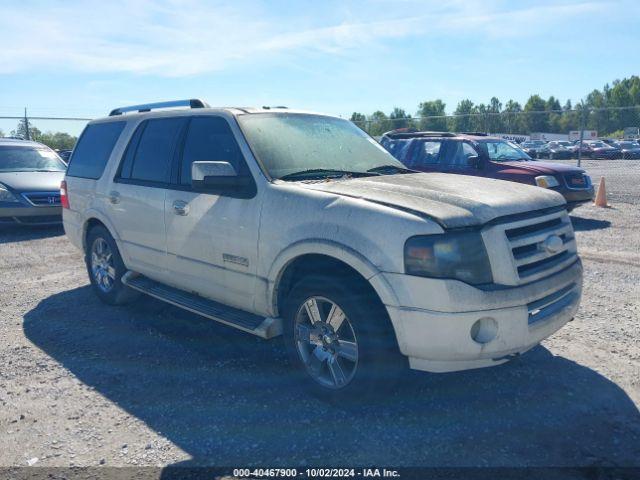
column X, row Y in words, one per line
column 147, row 107
column 477, row 134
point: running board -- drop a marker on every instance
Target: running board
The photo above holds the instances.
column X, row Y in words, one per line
column 233, row 317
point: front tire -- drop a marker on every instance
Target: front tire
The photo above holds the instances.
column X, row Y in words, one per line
column 339, row 339
column 106, row 268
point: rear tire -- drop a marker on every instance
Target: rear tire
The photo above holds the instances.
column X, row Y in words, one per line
column 106, row 268
column 340, row 340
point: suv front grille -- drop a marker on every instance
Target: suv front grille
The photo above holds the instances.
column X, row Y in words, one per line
column 43, row 199
column 523, row 251
column 532, row 256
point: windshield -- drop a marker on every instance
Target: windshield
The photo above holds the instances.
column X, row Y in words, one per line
column 500, row 151
column 598, row 144
column 565, row 144
column 27, row 159
column 290, row 143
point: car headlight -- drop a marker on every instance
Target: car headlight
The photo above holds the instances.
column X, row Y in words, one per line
column 547, row 181
column 7, row 196
column 461, row 256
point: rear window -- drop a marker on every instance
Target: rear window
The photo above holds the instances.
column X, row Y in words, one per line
column 93, row 149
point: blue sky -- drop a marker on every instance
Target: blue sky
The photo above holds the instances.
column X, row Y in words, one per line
column 84, row 58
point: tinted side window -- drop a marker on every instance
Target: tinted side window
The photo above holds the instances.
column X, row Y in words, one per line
column 155, row 150
column 459, row 154
column 426, row 153
column 210, row 139
column 129, row 154
column 94, row 149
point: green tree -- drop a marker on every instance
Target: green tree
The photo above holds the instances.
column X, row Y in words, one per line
column 58, row 140
column 536, row 117
column 513, row 118
column 432, row 108
column 462, row 120
column 399, row 118
column 26, row 130
column 379, row 123
column 555, row 118
column 360, row 120
column 494, row 121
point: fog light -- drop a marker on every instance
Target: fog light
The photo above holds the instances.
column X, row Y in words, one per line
column 484, row 330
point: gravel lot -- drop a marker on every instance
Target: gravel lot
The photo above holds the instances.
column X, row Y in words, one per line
column 85, row 384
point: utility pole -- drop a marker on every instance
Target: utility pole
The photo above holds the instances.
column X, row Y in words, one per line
column 26, row 125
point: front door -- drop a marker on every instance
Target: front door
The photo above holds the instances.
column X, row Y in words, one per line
column 212, row 239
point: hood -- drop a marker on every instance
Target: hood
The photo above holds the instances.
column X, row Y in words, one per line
column 454, row 201
column 32, row 181
column 545, row 168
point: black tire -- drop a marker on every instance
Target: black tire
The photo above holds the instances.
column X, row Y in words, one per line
column 118, row 294
column 379, row 363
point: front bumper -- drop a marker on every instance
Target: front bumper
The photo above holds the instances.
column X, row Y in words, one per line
column 434, row 320
column 577, row 197
column 17, row 213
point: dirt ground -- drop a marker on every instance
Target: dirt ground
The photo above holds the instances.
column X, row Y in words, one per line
column 85, row 384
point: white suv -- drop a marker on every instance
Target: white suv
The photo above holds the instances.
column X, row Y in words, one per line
column 276, row 221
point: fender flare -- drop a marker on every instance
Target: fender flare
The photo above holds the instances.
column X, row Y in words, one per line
column 336, row 250
column 94, row 213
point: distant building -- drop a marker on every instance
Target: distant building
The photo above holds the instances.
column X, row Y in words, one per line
column 549, row 137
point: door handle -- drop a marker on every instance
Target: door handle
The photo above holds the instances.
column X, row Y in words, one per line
column 180, row 208
column 114, row 197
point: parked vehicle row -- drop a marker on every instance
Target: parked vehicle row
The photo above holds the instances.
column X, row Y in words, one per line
column 483, row 156
column 608, row 149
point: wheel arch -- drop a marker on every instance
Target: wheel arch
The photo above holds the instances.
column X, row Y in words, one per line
column 95, row 218
column 321, row 256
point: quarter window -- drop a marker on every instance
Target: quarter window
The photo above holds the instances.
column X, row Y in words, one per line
column 94, row 149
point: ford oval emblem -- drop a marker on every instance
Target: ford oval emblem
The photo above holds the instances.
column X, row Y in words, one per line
column 553, row 244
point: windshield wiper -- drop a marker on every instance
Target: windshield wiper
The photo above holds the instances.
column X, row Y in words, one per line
column 324, row 173
column 386, row 168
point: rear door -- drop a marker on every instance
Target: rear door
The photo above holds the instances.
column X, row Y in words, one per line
column 138, row 193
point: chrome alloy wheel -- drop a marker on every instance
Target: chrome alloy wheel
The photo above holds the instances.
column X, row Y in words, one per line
column 104, row 273
column 326, row 342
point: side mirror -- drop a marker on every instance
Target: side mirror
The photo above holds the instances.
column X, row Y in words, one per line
column 474, row 161
column 220, row 177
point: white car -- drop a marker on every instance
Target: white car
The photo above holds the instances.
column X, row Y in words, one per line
column 276, row 221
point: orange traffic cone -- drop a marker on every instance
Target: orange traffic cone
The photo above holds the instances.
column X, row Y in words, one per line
column 601, row 195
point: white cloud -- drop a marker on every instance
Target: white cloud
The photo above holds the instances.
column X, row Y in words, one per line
column 175, row 38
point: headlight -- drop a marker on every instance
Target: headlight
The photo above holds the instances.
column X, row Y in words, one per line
column 7, row 196
column 547, row 181
column 461, row 256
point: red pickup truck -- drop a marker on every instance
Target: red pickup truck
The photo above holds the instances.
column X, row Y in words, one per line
column 483, row 156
